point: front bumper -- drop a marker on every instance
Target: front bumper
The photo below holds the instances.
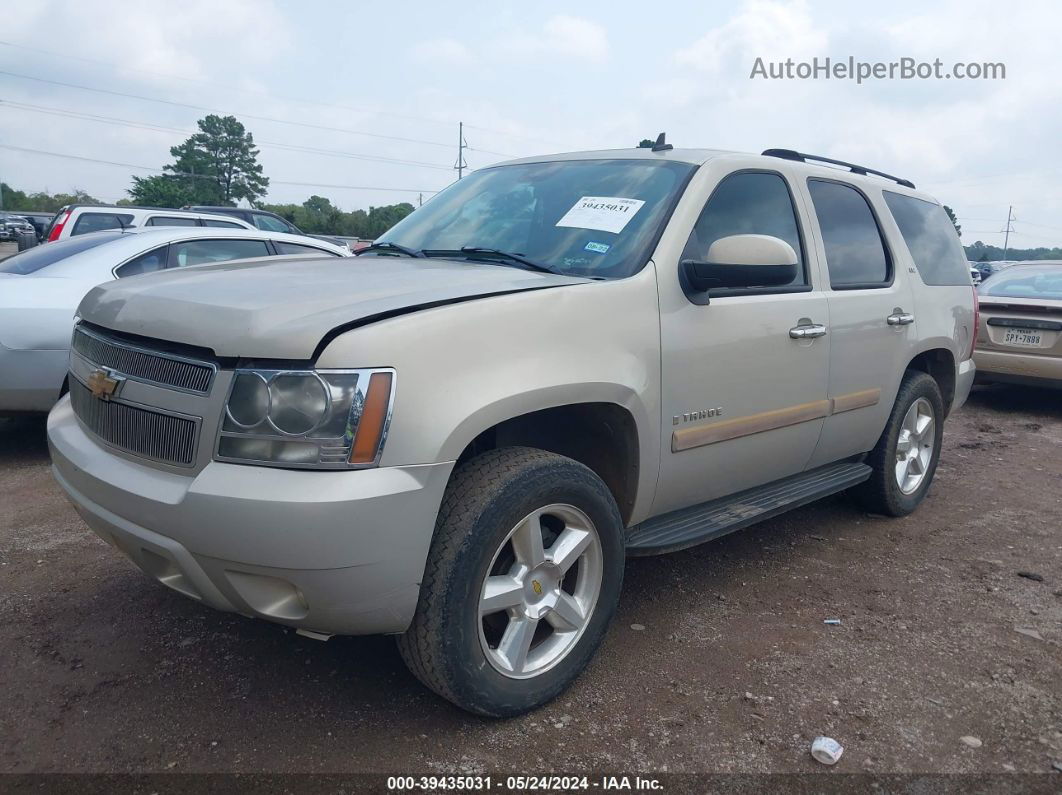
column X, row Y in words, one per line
column 330, row 552
column 1018, row 368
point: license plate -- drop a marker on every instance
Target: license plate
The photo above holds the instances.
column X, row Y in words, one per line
column 1022, row 336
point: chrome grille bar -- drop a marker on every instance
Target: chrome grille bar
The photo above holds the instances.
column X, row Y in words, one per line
column 149, row 434
column 144, row 365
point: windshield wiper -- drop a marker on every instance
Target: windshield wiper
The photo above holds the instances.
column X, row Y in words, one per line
column 497, row 253
column 386, row 245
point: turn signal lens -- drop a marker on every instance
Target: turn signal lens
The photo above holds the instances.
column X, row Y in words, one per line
column 373, row 422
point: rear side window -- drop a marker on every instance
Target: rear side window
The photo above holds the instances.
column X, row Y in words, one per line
column 197, row 252
column 148, row 262
column 97, row 222
column 171, row 220
column 748, row 203
column 930, row 237
column 855, row 251
column 221, row 224
column 271, row 224
column 39, row 257
column 283, row 247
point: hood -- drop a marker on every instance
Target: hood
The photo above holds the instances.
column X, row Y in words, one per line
column 282, row 309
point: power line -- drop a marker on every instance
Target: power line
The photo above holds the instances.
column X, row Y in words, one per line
column 204, row 176
column 205, row 109
column 160, row 128
column 267, row 95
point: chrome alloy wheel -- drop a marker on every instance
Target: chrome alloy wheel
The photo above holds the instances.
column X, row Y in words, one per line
column 914, row 446
column 540, row 591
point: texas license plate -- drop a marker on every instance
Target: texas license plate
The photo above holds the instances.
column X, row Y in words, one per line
column 1022, row 336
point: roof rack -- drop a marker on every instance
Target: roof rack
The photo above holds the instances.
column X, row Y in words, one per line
column 789, row 154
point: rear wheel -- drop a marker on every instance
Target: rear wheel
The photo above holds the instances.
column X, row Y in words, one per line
column 522, row 581
column 905, row 457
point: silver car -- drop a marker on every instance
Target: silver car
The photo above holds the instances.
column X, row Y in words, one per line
column 41, row 288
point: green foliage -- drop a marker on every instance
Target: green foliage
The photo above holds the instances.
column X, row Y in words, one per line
column 42, row 202
column 646, row 143
column 163, row 190
column 317, row 215
column 980, row 252
column 217, row 165
column 954, row 220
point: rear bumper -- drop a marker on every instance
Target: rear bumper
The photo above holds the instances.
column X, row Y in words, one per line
column 31, row 380
column 1019, row 368
column 964, row 379
column 331, row 552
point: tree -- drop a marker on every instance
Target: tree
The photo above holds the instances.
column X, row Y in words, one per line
column 43, row 201
column 163, row 190
column 646, row 143
column 954, row 220
column 217, row 165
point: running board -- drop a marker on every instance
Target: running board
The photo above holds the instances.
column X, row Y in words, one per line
column 688, row 527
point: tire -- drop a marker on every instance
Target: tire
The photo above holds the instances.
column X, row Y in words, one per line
column 883, row 492
column 487, row 510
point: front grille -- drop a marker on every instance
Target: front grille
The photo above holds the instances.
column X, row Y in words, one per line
column 143, row 365
column 150, row 434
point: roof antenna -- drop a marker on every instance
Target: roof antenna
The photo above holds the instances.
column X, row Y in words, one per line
column 660, row 146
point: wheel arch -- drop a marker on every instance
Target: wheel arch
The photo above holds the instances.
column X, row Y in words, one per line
column 939, row 363
column 603, row 435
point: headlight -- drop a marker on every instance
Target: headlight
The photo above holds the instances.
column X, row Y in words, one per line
column 324, row 419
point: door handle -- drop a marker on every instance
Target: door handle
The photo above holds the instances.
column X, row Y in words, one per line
column 900, row 319
column 807, row 332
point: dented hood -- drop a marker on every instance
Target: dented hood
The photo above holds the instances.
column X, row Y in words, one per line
column 283, row 308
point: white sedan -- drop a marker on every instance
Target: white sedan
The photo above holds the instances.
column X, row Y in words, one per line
column 41, row 288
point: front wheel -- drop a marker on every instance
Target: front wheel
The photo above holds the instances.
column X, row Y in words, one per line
column 905, row 458
column 522, row 580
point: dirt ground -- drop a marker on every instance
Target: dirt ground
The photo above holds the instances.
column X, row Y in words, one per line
column 719, row 660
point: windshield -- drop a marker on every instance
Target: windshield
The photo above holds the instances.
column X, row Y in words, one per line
column 593, row 218
column 1026, row 281
column 39, row 257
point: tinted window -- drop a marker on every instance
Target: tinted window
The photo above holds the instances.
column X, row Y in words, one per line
column 95, row 222
column 747, row 204
column 196, row 252
column 582, row 217
column 855, row 253
column 38, row 257
column 222, row 224
column 271, row 224
column 171, row 220
column 1026, row 281
column 294, row 248
column 931, row 238
column 148, row 262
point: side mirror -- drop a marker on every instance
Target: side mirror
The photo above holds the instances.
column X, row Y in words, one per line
column 742, row 261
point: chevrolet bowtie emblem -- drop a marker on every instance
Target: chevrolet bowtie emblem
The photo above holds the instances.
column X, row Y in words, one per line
column 537, row 586
column 103, row 384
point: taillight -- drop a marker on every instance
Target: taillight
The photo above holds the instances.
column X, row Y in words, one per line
column 57, row 226
column 976, row 325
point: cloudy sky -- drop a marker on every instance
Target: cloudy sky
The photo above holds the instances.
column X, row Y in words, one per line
column 376, row 91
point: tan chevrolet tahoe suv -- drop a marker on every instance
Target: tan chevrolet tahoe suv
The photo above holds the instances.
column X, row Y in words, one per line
column 458, row 436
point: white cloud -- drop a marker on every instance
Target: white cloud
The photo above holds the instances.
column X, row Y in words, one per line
column 763, row 28
column 443, row 51
column 571, row 37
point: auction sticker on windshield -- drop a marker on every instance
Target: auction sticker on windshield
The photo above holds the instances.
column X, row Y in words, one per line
column 604, row 213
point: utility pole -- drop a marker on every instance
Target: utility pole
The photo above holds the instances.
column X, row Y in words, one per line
column 1008, row 230
column 420, row 199
column 461, row 165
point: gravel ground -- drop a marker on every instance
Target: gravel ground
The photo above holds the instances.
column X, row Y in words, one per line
column 719, row 660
